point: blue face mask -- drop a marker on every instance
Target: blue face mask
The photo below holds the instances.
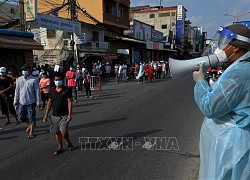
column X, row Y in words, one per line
column 25, row 73
column 71, row 69
column 59, row 83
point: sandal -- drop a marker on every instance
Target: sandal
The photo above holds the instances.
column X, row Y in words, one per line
column 57, row 152
column 70, row 146
column 16, row 123
column 31, row 136
column 6, row 123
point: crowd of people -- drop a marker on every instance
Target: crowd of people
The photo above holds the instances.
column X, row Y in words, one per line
column 37, row 88
column 76, row 79
column 32, row 88
column 141, row 71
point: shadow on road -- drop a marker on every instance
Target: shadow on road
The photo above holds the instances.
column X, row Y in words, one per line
column 89, row 104
column 110, row 97
column 96, row 123
column 8, row 138
column 110, row 94
column 37, row 129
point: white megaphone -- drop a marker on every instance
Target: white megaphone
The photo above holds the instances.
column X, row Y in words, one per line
column 180, row 67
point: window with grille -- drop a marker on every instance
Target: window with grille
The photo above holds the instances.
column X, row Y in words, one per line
column 120, row 13
column 164, row 26
column 51, row 33
column 152, row 16
column 12, row 11
column 164, row 14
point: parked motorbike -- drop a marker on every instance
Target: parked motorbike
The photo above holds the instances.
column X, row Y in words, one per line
column 213, row 77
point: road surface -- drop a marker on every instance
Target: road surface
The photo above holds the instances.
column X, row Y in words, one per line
column 127, row 131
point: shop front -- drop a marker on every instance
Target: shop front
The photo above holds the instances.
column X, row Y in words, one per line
column 16, row 48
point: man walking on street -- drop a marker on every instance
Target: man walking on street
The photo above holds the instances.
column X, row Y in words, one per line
column 70, row 76
column 27, row 97
column 60, row 100
column 87, row 86
column 6, row 98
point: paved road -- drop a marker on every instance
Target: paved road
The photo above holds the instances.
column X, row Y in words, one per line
column 162, row 114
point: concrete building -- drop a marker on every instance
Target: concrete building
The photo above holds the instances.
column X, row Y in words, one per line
column 101, row 21
column 16, row 47
column 9, row 16
column 178, row 32
column 163, row 19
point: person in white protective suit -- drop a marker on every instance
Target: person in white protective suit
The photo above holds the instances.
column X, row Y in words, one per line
column 141, row 73
column 225, row 132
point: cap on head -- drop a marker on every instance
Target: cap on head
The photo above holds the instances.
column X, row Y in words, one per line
column 3, row 69
column 241, row 30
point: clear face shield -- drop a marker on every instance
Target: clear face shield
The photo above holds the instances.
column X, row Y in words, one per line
column 223, row 37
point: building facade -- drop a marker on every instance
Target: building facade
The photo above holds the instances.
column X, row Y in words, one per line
column 9, row 16
column 177, row 31
column 16, row 48
column 101, row 21
column 163, row 19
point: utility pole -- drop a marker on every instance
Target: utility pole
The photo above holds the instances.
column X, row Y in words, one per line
column 72, row 4
column 161, row 2
column 22, row 15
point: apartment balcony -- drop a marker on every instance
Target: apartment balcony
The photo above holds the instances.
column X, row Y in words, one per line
column 115, row 21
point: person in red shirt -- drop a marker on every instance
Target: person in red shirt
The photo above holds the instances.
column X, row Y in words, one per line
column 137, row 68
column 44, row 87
column 70, row 76
column 146, row 72
column 150, row 73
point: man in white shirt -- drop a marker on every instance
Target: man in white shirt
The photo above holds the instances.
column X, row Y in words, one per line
column 27, row 98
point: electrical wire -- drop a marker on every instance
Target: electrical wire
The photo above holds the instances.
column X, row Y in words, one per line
column 3, row 2
column 52, row 3
column 56, row 9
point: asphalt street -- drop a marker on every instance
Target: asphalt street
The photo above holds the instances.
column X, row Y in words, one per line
column 127, row 131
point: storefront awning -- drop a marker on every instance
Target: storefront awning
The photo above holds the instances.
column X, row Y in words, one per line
column 132, row 40
column 17, row 42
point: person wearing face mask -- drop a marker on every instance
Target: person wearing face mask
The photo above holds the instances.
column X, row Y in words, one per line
column 6, row 98
column 60, row 100
column 44, row 86
column 12, row 75
column 79, row 78
column 70, row 76
column 27, row 97
column 225, row 132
